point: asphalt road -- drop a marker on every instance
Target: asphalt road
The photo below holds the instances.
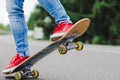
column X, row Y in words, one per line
column 94, row 62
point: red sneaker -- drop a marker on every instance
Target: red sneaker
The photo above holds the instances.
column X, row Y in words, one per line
column 14, row 63
column 60, row 30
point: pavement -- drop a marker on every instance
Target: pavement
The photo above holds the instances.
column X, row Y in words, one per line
column 94, row 62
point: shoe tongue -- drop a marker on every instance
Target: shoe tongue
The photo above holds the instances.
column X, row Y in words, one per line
column 17, row 55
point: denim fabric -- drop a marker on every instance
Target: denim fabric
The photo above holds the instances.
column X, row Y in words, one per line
column 18, row 24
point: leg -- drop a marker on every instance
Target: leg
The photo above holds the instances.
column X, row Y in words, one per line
column 18, row 25
column 56, row 10
column 19, row 30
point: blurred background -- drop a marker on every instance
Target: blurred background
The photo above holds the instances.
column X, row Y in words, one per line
column 104, row 16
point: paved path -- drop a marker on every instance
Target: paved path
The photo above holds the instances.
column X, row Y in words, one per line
column 95, row 62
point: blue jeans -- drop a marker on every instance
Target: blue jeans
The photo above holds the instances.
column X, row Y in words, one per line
column 18, row 24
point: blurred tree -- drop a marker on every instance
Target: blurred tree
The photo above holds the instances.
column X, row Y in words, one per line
column 104, row 15
column 1, row 26
column 4, row 27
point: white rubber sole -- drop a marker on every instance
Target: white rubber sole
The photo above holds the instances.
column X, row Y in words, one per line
column 8, row 70
column 54, row 37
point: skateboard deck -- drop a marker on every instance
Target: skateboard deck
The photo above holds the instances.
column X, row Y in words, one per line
column 78, row 29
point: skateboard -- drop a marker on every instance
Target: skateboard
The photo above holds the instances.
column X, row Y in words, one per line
column 63, row 44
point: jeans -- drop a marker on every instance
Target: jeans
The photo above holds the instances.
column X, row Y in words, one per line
column 18, row 24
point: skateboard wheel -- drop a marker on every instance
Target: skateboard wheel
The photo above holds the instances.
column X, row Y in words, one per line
column 62, row 49
column 80, row 45
column 35, row 74
column 18, row 76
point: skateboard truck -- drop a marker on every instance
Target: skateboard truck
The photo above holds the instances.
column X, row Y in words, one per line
column 26, row 72
column 70, row 44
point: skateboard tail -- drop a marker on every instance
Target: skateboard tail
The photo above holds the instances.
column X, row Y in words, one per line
column 80, row 27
